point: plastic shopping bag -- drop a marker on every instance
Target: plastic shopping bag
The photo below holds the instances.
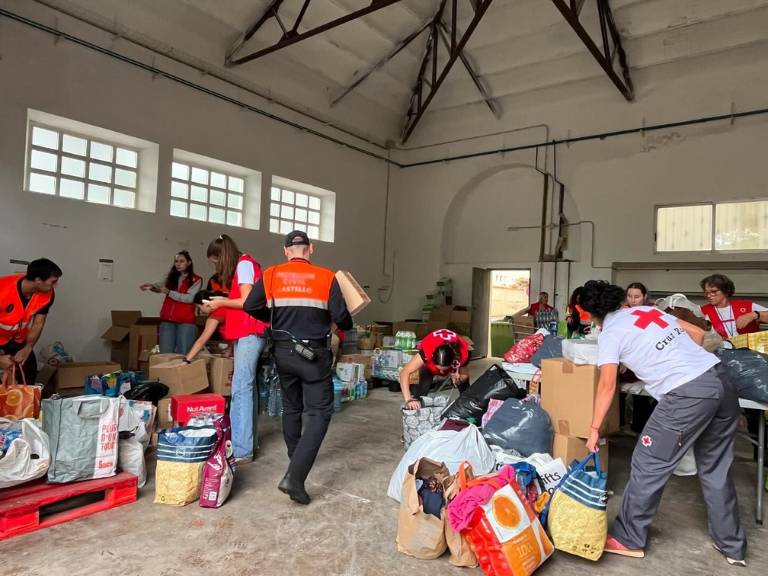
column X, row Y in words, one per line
column 503, row 530
column 24, row 452
column 416, row 423
column 181, row 455
column 580, row 351
column 520, row 425
column 452, row 448
column 748, row 371
column 18, row 401
column 523, row 350
column 218, row 473
column 83, row 432
column 577, row 517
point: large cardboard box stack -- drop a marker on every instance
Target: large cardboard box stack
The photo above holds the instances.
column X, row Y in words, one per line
column 129, row 335
column 568, row 395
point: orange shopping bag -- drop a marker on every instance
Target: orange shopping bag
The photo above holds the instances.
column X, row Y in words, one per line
column 18, row 401
column 504, row 532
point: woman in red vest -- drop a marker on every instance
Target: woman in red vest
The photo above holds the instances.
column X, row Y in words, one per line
column 239, row 272
column 178, row 329
column 730, row 317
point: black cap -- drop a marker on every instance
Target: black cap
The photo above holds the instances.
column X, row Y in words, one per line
column 296, row 238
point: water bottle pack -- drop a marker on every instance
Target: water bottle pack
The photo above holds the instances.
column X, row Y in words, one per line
column 405, row 340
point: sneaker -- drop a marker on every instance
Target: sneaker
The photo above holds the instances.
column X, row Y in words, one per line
column 731, row 561
column 613, row 546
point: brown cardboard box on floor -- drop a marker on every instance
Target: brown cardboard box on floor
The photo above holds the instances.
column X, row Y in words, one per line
column 570, row 448
column 220, row 375
column 180, row 377
column 164, row 413
column 118, row 335
column 568, row 395
column 163, row 358
column 364, row 359
column 73, row 374
column 354, row 295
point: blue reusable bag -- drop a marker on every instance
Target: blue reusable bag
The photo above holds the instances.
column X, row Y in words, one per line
column 577, row 513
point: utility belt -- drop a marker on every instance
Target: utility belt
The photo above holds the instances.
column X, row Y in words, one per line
column 314, row 344
column 306, row 349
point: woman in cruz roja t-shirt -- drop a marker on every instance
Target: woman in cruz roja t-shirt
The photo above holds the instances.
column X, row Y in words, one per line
column 696, row 409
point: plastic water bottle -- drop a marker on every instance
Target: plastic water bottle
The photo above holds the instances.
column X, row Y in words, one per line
column 364, row 384
column 338, row 389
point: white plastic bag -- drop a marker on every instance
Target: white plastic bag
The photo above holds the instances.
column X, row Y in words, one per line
column 130, row 458
column 687, row 466
column 580, row 351
column 449, row 447
column 28, row 457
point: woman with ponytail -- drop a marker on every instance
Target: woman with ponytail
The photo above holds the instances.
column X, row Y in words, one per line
column 178, row 329
column 238, row 272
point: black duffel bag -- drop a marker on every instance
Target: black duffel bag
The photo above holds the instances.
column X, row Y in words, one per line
column 473, row 402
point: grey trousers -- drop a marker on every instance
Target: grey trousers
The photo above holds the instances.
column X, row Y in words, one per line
column 702, row 413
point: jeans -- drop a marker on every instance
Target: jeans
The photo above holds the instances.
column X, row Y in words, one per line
column 176, row 338
column 244, row 407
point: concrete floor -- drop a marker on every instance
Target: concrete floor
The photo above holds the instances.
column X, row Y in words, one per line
column 349, row 529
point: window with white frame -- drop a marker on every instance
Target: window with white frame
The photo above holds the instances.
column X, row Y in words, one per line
column 713, row 227
column 205, row 194
column 294, row 210
column 72, row 165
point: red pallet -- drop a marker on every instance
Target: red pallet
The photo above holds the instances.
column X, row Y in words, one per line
column 20, row 507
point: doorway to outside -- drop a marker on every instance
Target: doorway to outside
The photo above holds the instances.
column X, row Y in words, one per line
column 510, row 294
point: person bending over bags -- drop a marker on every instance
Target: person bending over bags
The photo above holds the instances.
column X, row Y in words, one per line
column 697, row 408
column 442, row 353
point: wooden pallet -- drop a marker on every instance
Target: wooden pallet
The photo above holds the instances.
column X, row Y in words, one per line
column 37, row 505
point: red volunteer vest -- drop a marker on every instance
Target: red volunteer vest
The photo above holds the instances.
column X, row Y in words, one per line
column 738, row 308
column 434, row 340
column 180, row 312
column 238, row 324
column 15, row 319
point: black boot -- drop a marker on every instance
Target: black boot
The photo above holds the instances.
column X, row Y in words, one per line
column 294, row 490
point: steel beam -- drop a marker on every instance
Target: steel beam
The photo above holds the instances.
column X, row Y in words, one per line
column 454, row 46
column 292, row 35
column 395, row 51
column 611, row 42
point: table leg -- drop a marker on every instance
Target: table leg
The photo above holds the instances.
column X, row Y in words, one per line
column 760, row 467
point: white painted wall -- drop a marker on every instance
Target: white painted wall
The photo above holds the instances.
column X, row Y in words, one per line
column 70, row 81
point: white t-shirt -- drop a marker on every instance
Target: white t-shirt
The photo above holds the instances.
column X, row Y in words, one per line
column 654, row 346
column 729, row 323
column 245, row 272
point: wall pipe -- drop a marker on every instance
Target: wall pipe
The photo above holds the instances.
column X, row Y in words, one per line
column 503, row 150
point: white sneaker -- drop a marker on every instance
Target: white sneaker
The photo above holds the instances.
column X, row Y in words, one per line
column 731, row 561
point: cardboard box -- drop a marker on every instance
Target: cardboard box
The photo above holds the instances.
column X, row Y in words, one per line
column 163, row 358
column 570, row 448
column 180, row 377
column 186, row 406
column 144, row 335
column 350, row 372
column 220, row 375
column 568, row 394
column 354, row 295
column 118, row 335
column 366, row 360
column 164, row 419
column 451, row 314
column 73, row 374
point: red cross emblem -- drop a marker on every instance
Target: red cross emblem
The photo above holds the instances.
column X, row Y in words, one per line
column 646, row 440
column 647, row 317
column 447, row 335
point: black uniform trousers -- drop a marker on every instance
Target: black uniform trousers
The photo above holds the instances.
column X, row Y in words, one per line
column 307, row 405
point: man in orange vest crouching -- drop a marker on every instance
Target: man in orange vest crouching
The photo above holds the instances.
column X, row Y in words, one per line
column 301, row 301
column 25, row 300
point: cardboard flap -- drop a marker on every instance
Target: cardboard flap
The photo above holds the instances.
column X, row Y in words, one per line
column 116, row 333
column 125, row 317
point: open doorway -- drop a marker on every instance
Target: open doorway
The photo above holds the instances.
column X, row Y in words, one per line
column 510, row 294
